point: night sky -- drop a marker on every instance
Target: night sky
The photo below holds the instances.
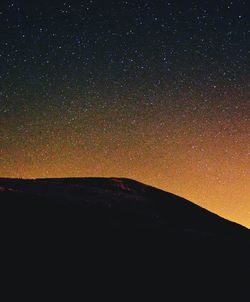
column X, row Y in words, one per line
column 157, row 91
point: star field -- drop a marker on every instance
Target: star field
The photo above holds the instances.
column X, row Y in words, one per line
column 158, row 91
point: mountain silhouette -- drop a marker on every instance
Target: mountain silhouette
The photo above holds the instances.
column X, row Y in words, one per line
column 116, row 203
column 126, row 228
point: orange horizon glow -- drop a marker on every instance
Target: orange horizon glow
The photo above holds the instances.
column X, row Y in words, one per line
column 203, row 160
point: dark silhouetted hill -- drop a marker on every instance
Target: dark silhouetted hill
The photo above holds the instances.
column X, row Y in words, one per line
column 124, row 228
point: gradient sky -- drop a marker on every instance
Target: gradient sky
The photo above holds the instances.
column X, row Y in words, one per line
column 158, row 91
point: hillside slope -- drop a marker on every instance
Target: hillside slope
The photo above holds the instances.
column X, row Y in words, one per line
column 147, row 240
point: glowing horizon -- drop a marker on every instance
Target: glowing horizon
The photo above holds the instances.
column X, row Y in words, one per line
column 156, row 92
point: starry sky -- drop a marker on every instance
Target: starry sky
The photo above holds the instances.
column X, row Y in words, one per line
column 158, row 91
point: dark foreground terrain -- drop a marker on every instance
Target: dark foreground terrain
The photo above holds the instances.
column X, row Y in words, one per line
column 118, row 235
